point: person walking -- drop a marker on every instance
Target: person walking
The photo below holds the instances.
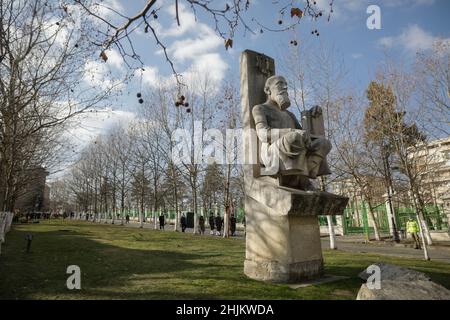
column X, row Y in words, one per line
column 201, row 224
column 413, row 228
column 233, row 225
column 211, row 223
column 161, row 221
column 183, row 223
column 218, row 222
column 127, row 219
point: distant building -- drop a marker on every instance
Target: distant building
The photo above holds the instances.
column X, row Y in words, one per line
column 433, row 160
column 348, row 187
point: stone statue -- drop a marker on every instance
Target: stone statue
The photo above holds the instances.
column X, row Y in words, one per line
column 287, row 148
column 282, row 230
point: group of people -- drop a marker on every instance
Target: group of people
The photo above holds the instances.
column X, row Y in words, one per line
column 215, row 224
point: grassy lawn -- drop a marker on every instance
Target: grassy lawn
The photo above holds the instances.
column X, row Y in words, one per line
column 128, row 263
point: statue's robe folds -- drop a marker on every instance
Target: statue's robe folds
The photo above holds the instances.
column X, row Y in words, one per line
column 285, row 146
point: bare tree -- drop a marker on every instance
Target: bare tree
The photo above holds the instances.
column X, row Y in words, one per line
column 315, row 74
column 42, row 67
column 432, row 69
column 352, row 159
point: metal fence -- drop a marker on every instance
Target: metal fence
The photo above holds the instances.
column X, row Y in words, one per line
column 356, row 221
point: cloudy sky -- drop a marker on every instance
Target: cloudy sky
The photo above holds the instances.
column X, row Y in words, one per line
column 407, row 26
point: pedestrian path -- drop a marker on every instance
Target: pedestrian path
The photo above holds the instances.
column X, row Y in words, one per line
column 438, row 254
column 170, row 228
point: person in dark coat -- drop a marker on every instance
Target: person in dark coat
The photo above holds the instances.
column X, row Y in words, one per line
column 127, row 219
column 211, row 223
column 233, row 225
column 219, row 222
column 161, row 221
column 201, row 224
column 183, row 223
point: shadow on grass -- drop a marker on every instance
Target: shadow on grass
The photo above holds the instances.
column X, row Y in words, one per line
column 106, row 269
column 160, row 265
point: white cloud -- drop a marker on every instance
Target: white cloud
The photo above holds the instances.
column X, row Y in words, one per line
column 414, row 38
column 187, row 22
column 208, row 65
column 88, row 126
column 193, row 44
column 191, row 48
column 387, row 42
column 105, row 74
column 115, row 59
column 152, row 78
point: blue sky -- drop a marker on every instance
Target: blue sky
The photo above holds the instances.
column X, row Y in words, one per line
column 406, row 27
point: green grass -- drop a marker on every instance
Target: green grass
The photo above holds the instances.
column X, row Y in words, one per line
column 128, row 263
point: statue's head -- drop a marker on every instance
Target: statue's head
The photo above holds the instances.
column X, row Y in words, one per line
column 277, row 90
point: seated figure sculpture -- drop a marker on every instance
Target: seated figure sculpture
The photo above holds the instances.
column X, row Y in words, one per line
column 287, row 149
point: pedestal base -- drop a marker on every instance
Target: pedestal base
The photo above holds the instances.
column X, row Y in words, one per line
column 274, row 271
column 283, row 234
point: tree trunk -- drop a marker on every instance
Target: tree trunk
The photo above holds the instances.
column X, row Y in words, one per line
column 329, row 219
column 331, row 233
column 141, row 213
column 376, row 230
column 194, row 191
column 420, row 210
column 175, row 196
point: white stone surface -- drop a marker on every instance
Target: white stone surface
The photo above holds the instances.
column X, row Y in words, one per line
column 405, row 290
column 393, row 272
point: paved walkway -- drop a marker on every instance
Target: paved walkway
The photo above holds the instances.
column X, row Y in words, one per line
column 355, row 244
column 437, row 253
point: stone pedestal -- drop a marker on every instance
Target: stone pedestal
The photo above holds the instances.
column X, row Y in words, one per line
column 282, row 231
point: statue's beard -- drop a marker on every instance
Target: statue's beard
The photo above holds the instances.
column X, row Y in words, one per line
column 283, row 101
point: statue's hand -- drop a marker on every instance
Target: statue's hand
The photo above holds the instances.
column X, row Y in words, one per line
column 306, row 137
column 316, row 111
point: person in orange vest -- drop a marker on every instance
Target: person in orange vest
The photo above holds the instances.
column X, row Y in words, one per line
column 413, row 228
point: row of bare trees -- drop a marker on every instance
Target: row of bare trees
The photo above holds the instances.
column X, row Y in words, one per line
column 135, row 167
